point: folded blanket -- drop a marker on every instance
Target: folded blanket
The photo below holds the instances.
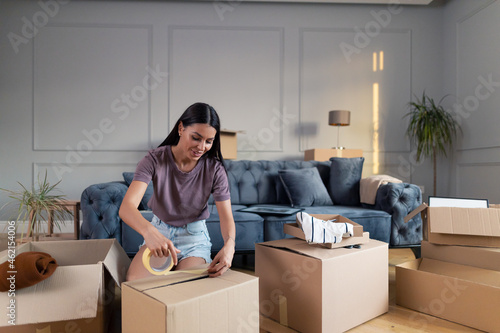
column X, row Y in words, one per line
column 368, row 187
column 26, row 270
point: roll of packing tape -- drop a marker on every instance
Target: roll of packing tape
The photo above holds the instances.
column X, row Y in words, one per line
column 162, row 270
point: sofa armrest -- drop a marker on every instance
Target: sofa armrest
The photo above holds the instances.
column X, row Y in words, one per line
column 100, row 204
column 399, row 199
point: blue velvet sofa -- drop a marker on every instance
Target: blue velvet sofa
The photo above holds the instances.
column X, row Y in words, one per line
column 259, row 182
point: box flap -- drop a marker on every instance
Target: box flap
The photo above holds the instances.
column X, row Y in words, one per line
column 72, row 292
column 465, row 221
column 414, row 212
column 117, row 262
column 463, row 272
column 482, row 257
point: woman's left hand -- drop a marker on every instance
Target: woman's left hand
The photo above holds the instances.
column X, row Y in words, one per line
column 222, row 261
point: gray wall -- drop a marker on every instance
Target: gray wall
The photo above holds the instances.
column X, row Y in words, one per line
column 472, row 75
column 98, row 83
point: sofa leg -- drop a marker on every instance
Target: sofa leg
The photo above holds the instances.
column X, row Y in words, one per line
column 416, row 251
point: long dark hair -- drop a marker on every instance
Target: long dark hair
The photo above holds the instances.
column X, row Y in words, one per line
column 198, row 113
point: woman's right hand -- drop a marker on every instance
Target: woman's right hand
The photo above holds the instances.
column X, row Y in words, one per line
column 160, row 245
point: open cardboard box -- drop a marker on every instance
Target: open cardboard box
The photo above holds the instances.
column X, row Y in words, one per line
column 79, row 295
column 463, row 294
column 187, row 302
column 314, row 289
column 460, row 226
column 359, row 237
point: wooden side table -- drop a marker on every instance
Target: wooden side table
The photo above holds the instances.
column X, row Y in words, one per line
column 71, row 204
column 325, row 154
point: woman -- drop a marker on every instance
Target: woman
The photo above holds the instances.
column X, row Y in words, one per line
column 185, row 169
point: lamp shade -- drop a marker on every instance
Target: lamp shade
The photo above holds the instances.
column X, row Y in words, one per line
column 339, row 118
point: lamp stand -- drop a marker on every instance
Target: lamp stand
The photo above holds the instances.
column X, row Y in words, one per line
column 338, row 140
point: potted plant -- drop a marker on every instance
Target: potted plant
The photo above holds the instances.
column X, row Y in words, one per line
column 38, row 205
column 432, row 128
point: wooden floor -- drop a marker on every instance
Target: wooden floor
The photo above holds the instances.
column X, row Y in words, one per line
column 398, row 319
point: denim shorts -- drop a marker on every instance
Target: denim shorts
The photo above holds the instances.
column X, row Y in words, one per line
column 192, row 239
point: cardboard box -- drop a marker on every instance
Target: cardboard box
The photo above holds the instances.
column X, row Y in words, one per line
column 312, row 289
column 359, row 237
column 79, row 295
column 482, row 257
column 325, row 154
column 229, row 144
column 186, row 302
column 463, row 294
column 460, row 226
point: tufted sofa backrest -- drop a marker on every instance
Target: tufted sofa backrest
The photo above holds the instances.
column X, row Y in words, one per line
column 257, row 182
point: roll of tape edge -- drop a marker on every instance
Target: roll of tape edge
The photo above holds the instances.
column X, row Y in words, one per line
column 146, row 257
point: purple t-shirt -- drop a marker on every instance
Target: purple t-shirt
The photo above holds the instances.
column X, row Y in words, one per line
column 181, row 197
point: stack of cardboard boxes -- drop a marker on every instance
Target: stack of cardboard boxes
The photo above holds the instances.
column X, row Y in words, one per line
column 322, row 288
column 458, row 276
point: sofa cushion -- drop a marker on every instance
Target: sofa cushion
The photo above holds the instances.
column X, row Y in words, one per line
column 304, row 187
column 345, row 176
column 249, row 229
column 257, row 182
column 128, row 177
column 131, row 239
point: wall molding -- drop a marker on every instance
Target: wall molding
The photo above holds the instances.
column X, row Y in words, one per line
column 147, row 27
column 385, row 31
column 462, row 165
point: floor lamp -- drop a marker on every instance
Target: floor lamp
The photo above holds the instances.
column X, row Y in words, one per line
column 339, row 118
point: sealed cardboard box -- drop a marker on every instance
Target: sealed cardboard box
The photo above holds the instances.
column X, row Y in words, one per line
column 460, row 226
column 463, row 294
column 313, row 289
column 482, row 257
column 359, row 237
column 78, row 296
column 187, row 302
column 229, row 144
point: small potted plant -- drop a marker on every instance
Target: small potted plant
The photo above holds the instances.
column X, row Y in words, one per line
column 38, row 205
column 432, row 128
